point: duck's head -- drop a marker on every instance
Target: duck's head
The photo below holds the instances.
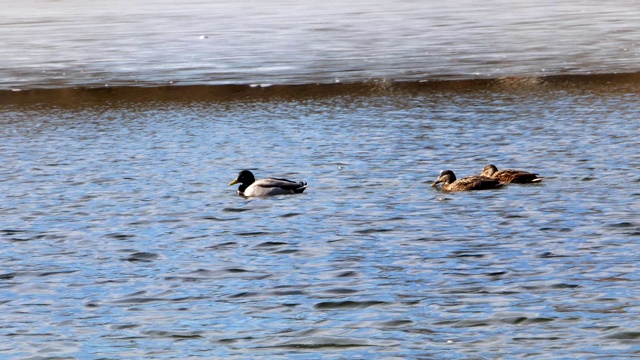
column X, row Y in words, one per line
column 245, row 177
column 446, row 176
column 489, row 170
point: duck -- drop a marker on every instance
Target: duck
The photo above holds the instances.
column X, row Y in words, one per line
column 510, row 175
column 266, row 187
column 473, row 182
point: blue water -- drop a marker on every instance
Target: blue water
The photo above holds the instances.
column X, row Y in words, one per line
column 120, row 237
column 121, row 126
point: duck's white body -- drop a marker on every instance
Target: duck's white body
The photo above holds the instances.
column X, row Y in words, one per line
column 266, row 187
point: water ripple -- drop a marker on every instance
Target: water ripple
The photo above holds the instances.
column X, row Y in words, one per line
column 133, row 245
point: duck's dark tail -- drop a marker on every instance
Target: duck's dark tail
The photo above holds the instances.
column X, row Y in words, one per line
column 301, row 188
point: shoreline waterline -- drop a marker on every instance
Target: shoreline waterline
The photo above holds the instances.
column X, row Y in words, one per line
column 177, row 92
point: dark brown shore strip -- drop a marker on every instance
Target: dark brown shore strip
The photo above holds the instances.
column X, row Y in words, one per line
column 87, row 96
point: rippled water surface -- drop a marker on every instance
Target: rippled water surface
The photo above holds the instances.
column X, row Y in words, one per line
column 121, row 126
column 121, row 239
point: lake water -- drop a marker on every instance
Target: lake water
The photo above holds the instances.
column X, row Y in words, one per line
column 119, row 237
column 152, row 42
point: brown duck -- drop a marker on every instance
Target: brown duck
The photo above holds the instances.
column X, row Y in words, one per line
column 450, row 183
column 510, row 175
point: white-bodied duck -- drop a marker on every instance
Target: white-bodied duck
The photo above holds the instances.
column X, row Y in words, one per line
column 266, row 187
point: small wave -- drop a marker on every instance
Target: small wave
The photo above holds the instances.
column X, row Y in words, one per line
column 625, row 335
column 142, row 257
column 348, row 304
column 324, row 342
column 74, row 96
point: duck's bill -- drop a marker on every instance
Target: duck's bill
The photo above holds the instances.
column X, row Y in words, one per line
column 233, row 182
column 435, row 183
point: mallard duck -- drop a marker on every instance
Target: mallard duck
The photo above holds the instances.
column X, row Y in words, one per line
column 266, row 187
column 510, row 175
column 450, row 183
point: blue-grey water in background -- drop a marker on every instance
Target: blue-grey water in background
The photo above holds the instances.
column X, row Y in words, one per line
column 145, row 42
column 119, row 237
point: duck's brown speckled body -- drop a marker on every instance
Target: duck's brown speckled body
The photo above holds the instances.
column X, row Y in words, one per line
column 451, row 183
column 510, row 175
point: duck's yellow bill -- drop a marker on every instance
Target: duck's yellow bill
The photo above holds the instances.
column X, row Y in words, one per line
column 233, row 182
